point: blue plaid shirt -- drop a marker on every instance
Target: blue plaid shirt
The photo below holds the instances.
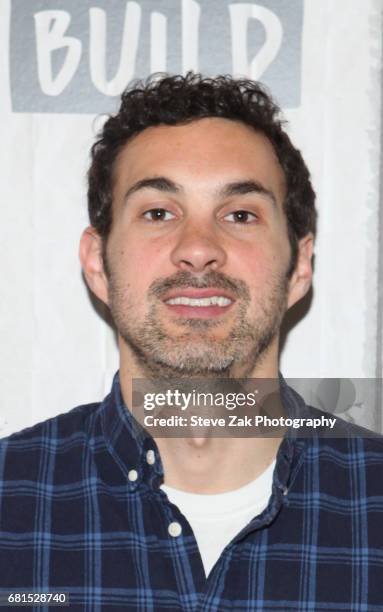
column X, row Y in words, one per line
column 73, row 519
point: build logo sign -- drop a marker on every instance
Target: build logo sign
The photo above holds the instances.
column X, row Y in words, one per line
column 74, row 56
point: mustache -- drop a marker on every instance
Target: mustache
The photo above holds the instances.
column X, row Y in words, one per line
column 185, row 280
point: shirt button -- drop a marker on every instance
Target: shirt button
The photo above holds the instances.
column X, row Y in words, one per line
column 133, row 475
column 150, row 457
column 175, row 529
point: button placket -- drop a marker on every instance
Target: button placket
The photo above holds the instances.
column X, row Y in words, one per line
column 150, row 457
column 132, row 475
column 175, row 529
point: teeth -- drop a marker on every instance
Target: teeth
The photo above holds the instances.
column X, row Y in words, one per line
column 214, row 300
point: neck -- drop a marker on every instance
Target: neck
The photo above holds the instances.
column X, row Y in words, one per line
column 209, row 464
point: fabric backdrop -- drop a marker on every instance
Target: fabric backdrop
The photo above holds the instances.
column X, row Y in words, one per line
column 63, row 64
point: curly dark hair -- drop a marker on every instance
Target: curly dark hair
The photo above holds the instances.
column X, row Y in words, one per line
column 172, row 100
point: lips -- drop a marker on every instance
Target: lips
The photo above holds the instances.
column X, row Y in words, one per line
column 192, row 302
column 214, row 300
column 192, row 293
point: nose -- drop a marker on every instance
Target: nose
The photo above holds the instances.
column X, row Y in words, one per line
column 198, row 250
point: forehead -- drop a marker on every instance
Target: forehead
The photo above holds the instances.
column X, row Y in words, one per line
column 201, row 153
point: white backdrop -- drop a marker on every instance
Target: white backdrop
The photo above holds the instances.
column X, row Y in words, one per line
column 323, row 61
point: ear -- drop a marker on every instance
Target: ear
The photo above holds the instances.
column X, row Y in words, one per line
column 300, row 281
column 92, row 263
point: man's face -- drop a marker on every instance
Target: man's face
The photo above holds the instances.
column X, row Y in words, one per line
column 198, row 254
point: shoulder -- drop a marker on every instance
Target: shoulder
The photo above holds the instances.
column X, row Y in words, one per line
column 343, row 437
column 327, row 432
column 347, row 463
column 22, row 454
column 64, row 425
column 342, row 432
column 338, row 458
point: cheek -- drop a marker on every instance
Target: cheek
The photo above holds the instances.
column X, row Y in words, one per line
column 257, row 263
column 137, row 265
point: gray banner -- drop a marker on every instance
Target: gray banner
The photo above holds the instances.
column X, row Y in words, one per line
column 257, row 407
column 77, row 57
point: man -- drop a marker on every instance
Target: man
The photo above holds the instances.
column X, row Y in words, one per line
column 201, row 237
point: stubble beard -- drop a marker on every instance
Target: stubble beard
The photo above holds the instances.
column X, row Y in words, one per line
column 196, row 351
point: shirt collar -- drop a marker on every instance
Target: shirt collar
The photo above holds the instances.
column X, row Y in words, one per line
column 290, row 451
column 129, row 443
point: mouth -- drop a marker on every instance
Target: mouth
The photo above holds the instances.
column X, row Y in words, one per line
column 199, row 303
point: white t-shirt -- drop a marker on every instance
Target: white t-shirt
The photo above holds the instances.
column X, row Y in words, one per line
column 217, row 519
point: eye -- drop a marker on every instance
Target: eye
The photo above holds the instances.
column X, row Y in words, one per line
column 158, row 214
column 241, row 216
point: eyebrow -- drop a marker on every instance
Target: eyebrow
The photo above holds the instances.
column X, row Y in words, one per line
column 246, row 187
column 160, row 183
column 166, row 185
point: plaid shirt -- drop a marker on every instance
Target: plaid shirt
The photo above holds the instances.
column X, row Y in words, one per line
column 73, row 519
